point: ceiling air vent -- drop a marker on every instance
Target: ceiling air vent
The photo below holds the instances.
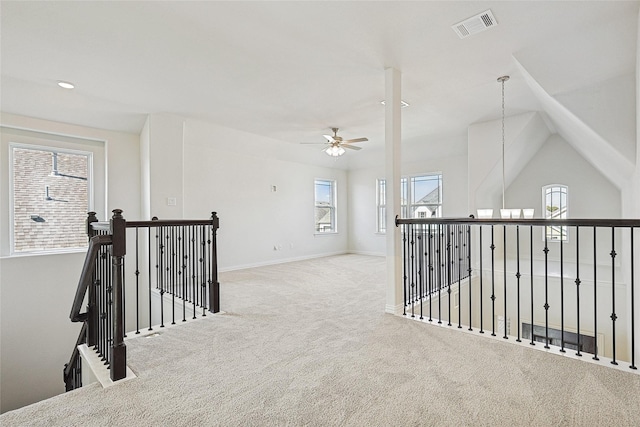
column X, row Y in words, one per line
column 475, row 24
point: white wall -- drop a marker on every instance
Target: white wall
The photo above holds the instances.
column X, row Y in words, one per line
column 36, row 292
column 208, row 168
column 446, row 155
column 591, row 195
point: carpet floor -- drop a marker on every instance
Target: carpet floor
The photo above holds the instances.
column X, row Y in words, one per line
column 308, row 344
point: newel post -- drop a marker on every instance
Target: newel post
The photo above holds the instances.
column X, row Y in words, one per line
column 118, row 250
column 214, row 285
column 92, row 320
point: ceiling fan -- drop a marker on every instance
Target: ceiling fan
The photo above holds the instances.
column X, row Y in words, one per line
column 336, row 145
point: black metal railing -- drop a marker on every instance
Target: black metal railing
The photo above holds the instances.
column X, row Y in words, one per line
column 575, row 294
column 177, row 258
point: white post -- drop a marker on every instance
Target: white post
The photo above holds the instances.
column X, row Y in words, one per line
column 393, row 121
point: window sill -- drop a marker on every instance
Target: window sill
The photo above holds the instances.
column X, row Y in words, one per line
column 44, row 253
column 329, row 233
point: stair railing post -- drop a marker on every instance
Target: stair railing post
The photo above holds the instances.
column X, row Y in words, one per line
column 214, row 285
column 118, row 228
column 92, row 320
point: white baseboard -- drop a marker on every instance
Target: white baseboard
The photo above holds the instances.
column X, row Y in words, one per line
column 367, row 253
column 280, row 261
column 393, row 309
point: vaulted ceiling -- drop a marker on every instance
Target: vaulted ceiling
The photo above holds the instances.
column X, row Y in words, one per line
column 291, row 70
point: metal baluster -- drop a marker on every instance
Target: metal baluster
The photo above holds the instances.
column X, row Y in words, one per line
column 459, row 253
column 203, row 253
column 420, row 263
column 183, row 276
column 193, row 269
column 137, row 273
column 469, row 273
column 431, row 271
column 405, row 265
column 161, row 276
column 595, row 296
column 531, row 273
column 633, row 329
column 412, row 269
column 493, row 284
column 449, row 259
column 578, row 289
column 481, row 274
column 518, row 280
column 562, row 290
column 546, row 291
column 149, row 252
column 504, row 278
column 210, row 260
column 172, row 275
column 614, row 317
column 439, row 282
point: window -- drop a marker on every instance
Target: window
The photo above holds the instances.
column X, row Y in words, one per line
column 554, row 206
column 423, row 192
column 381, row 201
column 325, row 206
column 50, row 194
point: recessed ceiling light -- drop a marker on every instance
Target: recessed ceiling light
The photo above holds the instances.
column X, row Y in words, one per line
column 402, row 103
column 65, row 85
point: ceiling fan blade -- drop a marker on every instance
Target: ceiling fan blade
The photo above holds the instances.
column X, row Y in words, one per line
column 356, row 140
column 323, row 143
column 351, row 147
column 329, row 138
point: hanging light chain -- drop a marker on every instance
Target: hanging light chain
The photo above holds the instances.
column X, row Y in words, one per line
column 503, row 79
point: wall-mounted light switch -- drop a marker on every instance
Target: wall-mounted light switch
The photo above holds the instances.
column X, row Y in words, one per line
column 171, row 201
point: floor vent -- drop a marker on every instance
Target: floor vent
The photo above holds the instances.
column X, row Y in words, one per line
column 475, row 24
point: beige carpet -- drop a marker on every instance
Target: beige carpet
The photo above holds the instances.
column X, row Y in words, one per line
column 307, row 343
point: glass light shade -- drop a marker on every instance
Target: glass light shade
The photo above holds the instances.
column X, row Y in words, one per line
column 528, row 213
column 335, row 151
column 485, row 213
column 515, row 213
column 505, row 213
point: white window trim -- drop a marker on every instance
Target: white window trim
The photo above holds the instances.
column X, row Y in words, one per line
column 90, row 192
column 544, row 213
column 334, row 197
column 404, row 180
column 378, row 206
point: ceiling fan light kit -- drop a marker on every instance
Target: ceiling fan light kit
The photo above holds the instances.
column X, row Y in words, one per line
column 337, row 145
column 335, row 151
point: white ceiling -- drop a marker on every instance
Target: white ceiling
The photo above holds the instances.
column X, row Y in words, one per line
column 291, row 70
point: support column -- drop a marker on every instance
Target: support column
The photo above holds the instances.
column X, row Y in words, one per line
column 392, row 175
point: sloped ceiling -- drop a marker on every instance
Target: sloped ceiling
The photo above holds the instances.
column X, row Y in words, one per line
column 291, row 70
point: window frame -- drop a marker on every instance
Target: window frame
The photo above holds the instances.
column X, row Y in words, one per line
column 381, row 206
column 333, row 207
column 549, row 235
column 406, row 195
column 53, row 148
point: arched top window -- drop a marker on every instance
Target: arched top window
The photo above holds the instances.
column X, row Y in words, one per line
column 555, row 206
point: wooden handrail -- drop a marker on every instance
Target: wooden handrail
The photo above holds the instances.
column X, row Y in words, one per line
column 85, row 278
column 581, row 222
column 82, row 338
